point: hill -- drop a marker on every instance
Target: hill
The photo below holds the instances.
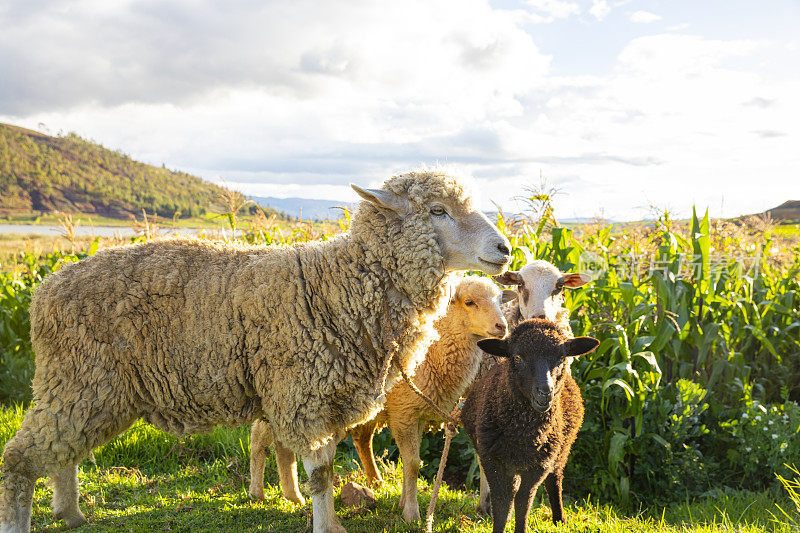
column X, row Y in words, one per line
column 789, row 210
column 41, row 173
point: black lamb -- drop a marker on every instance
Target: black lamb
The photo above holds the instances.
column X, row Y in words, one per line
column 524, row 415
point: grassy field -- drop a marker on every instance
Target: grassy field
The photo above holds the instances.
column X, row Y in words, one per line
column 146, row 480
column 693, row 393
column 211, row 225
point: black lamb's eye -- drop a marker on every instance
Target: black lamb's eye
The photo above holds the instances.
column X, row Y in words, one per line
column 517, row 359
column 438, row 210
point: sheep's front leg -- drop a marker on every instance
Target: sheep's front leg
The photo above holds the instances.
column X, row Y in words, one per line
column 260, row 439
column 484, row 503
column 503, row 487
column 529, row 482
column 319, row 467
column 65, row 497
column 553, row 485
column 362, row 438
column 408, row 442
column 287, row 471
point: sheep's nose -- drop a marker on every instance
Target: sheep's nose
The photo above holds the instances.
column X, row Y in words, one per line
column 541, row 391
column 503, row 248
column 541, row 316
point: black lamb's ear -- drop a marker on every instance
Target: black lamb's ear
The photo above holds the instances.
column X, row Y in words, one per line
column 498, row 347
column 580, row 346
column 384, row 200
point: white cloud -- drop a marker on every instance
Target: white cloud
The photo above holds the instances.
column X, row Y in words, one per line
column 549, row 10
column 665, row 55
column 600, row 9
column 644, row 17
column 282, row 99
column 149, row 52
column 679, row 27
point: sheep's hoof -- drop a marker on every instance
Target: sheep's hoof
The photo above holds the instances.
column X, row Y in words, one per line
column 295, row 498
column 411, row 514
column 485, row 508
column 257, row 497
column 71, row 518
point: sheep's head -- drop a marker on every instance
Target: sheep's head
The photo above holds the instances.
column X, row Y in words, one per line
column 539, row 354
column 541, row 288
column 439, row 204
column 479, row 299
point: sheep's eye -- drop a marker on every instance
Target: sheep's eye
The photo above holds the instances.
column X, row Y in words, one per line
column 469, row 303
column 438, row 210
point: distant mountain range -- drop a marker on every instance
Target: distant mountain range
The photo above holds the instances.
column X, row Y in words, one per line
column 309, row 209
column 304, row 207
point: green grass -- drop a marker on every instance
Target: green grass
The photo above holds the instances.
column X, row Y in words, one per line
column 787, row 230
column 146, row 480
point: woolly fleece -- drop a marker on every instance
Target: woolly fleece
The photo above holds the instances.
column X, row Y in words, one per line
column 190, row 334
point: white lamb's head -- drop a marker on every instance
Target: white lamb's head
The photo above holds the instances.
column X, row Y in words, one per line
column 541, row 288
column 479, row 300
column 436, row 204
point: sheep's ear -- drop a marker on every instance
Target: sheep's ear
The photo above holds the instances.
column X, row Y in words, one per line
column 508, row 296
column 580, row 346
column 498, row 347
column 509, row 277
column 573, row 281
column 384, row 200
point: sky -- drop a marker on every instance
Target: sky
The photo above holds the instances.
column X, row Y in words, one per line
column 622, row 106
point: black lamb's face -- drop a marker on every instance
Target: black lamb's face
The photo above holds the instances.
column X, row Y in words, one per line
column 538, row 353
column 536, row 375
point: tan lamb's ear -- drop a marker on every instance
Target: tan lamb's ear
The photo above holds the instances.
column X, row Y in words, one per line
column 384, row 200
column 509, row 277
column 508, row 296
column 580, row 346
column 573, row 281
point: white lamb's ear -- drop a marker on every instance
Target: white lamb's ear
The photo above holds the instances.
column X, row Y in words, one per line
column 508, row 296
column 385, row 200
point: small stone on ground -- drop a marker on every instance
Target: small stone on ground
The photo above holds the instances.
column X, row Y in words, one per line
column 355, row 495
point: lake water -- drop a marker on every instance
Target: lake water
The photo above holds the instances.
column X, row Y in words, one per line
column 97, row 231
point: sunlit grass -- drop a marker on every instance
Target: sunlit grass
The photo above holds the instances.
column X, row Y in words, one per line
column 147, row 480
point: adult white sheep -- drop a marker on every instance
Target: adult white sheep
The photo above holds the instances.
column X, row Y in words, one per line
column 449, row 367
column 189, row 334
